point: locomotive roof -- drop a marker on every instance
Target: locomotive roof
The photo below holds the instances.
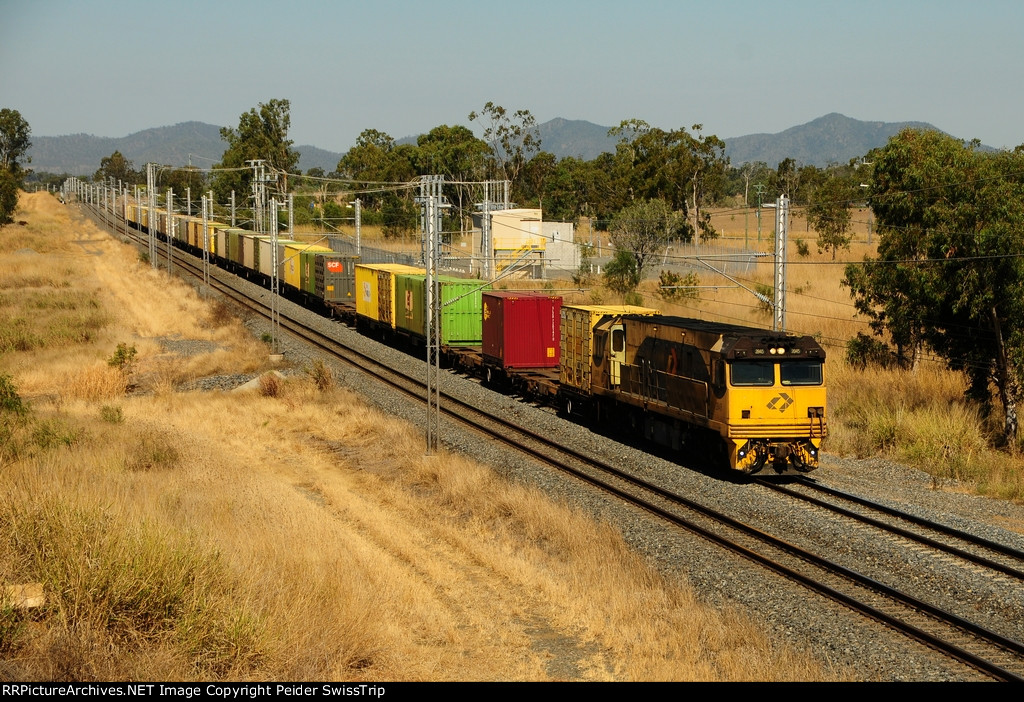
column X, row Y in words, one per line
column 707, row 326
column 735, row 337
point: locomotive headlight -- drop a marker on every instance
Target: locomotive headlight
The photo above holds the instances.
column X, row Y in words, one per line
column 780, row 350
column 772, row 351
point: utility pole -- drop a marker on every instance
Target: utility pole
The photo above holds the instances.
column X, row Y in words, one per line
column 169, row 229
column 291, row 216
column 206, row 243
column 275, row 285
column 358, row 204
column 782, row 217
column 486, row 242
column 259, row 194
column 432, row 202
column 151, row 218
column 759, row 189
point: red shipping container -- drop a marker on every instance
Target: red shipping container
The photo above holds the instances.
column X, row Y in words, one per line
column 521, row 329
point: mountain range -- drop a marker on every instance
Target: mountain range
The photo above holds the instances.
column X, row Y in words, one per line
column 833, row 138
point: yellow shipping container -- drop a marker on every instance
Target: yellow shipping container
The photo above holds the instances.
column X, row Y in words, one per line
column 374, row 300
column 293, row 273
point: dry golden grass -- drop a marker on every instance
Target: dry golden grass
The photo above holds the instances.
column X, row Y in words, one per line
column 304, row 536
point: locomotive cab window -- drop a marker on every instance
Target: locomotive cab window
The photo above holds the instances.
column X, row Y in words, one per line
column 618, row 340
column 752, row 373
column 800, row 372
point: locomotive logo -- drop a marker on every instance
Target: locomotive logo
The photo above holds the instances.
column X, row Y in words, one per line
column 781, row 399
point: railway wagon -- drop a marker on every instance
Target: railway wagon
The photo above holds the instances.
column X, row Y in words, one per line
column 266, row 257
column 761, row 394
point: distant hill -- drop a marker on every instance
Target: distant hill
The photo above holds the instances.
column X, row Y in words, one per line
column 313, row 157
column 833, row 138
column 575, row 137
column 80, row 154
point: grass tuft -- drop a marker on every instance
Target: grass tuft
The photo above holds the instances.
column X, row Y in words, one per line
column 270, row 385
column 321, row 375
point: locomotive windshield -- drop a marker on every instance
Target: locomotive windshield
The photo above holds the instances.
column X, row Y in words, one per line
column 753, row 373
column 800, row 372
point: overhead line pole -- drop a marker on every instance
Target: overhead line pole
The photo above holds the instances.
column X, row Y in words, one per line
column 782, row 218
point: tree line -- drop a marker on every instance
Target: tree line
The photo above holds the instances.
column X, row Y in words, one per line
column 948, row 276
column 683, row 168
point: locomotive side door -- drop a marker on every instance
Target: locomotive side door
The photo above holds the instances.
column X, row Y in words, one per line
column 618, row 352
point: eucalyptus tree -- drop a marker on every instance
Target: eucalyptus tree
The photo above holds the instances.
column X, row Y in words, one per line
column 682, row 168
column 513, row 139
column 829, row 213
column 949, row 272
column 643, row 229
column 14, row 144
column 262, row 133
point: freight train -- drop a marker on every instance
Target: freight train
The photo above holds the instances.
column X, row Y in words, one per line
column 753, row 399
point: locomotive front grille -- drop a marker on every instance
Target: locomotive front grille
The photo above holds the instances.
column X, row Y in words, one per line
column 814, row 430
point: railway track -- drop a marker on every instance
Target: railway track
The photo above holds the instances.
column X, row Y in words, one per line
column 953, row 542
column 973, row 645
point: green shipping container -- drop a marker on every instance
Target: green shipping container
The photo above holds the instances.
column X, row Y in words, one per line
column 461, row 308
column 307, row 267
column 234, row 241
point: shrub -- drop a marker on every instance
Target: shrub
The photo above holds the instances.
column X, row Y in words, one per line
column 321, row 375
column 155, row 451
column 767, row 294
column 864, row 351
column 53, row 433
column 270, row 385
column 673, row 286
column 621, row 274
column 633, row 298
column 584, row 275
column 112, row 414
column 123, row 358
column 11, row 403
column 13, row 417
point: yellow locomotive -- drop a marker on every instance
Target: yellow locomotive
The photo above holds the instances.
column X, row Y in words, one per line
column 760, row 395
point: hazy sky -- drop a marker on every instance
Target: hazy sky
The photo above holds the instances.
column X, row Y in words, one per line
column 112, row 67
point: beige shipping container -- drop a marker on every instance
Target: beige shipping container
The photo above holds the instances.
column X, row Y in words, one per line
column 375, row 289
column 250, row 248
column 267, row 255
column 578, row 322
